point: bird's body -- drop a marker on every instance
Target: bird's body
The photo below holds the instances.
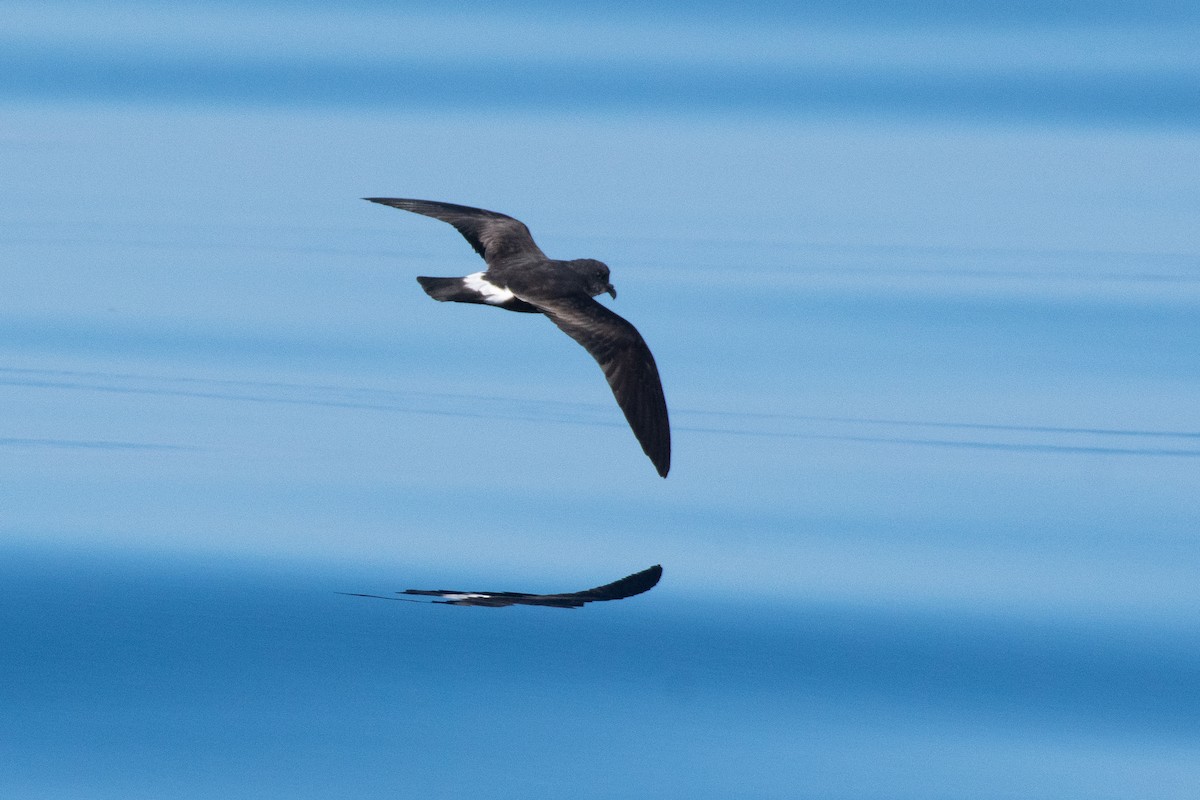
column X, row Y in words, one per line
column 520, row 277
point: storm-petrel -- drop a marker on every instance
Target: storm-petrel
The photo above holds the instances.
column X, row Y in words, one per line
column 519, row 277
column 628, row 586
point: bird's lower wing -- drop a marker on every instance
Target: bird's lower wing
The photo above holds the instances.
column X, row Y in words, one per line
column 628, row 365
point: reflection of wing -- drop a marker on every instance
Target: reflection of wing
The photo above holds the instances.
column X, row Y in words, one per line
column 493, row 235
column 629, row 586
column 378, row 596
column 630, row 369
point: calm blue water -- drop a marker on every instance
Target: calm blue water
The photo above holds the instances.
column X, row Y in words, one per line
column 922, row 281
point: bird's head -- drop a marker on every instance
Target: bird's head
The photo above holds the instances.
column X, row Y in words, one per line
column 595, row 274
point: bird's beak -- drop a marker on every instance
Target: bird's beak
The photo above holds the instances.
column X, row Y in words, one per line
column 612, row 292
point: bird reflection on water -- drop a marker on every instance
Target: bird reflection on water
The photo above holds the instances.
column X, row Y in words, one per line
column 629, row 586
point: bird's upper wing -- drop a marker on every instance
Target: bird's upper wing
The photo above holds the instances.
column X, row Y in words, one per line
column 627, row 363
column 494, row 236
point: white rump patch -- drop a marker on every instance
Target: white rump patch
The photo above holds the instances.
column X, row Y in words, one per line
column 465, row 596
column 491, row 292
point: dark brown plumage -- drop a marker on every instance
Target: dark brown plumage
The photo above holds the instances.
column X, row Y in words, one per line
column 521, row 278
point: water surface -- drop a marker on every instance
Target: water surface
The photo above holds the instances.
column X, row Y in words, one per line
column 929, row 345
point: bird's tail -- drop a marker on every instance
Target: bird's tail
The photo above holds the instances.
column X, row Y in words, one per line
column 448, row 290
column 459, row 290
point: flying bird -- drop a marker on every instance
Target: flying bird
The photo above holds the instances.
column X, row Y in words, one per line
column 629, row 586
column 519, row 277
